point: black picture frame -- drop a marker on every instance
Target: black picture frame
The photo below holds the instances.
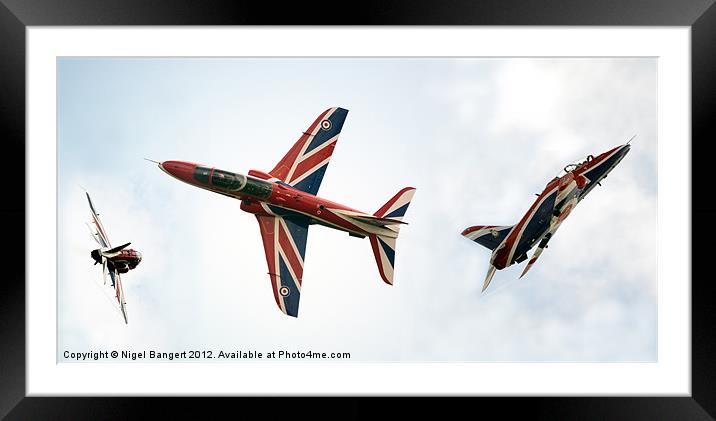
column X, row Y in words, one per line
column 16, row 15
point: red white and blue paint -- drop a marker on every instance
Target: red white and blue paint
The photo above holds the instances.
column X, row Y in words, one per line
column 114, row 260
column 285, row 204
column 510, row 244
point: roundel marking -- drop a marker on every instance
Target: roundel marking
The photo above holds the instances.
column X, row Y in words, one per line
column 284, row 291
column 326, row 124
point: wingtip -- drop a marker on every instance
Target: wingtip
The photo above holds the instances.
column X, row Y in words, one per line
column 524, row 272
column 288, row 312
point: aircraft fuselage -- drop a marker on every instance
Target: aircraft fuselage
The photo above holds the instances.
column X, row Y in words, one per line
column 123, row 261
column 263, row 195
column 553, row 205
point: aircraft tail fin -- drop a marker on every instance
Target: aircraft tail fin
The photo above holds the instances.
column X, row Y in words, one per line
column 489, row 236
column 384, row 246
column 396, row 207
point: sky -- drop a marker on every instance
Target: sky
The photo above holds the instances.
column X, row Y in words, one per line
column 476, row 137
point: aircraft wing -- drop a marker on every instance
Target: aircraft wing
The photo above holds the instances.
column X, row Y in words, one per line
column 285, row 247
column 99, row 234
column 305, row 163
column 557, row 221
column 119, row 293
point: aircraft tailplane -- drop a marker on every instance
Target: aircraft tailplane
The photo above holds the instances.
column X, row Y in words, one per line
column 489, row 236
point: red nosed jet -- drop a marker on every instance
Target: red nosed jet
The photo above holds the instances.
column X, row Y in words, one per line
column 114, row 260
column 510, row 244
column 285, row 204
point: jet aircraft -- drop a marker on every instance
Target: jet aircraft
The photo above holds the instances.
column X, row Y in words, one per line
column 285, row 204
column 114, row 260
column 510, row 244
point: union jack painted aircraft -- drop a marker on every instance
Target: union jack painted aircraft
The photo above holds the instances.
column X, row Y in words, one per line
column 285, row 204
column 510, row 244
column 114, row 260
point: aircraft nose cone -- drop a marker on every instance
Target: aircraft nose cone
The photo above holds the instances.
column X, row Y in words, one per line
column 181, row 170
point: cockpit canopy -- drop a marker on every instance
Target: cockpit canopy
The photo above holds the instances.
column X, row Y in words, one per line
column 574, row 165
column 221, row 179
column 232, row 183
column 228, row 180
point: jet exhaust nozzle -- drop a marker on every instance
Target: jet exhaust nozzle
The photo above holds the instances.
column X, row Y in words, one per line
column 96, row 256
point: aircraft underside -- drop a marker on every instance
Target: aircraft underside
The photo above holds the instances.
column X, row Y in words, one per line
column 510, row 244
column 285, row 204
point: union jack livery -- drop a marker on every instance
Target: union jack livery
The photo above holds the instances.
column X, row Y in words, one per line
column 510, row 244
column 114, row 260
column 285, row 204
